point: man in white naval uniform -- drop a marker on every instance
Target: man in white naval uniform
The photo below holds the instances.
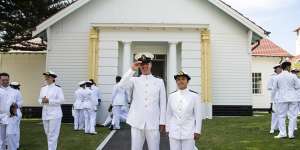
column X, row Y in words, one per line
column 93, row 108
column 184, row 119
column 274, row 119
column 97, row 100
column 4, row 114
column 78, row 107
column 14, row 97
column 286, row 85
column 51, row 97
column 147, row 112
column 295, row 72
column 119, row 103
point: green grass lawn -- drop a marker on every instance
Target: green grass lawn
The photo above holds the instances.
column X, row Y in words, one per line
column 243, row 133
column 33, row 137
column 220, row 133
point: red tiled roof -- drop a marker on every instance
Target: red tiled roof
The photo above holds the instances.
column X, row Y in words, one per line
column 268, row 48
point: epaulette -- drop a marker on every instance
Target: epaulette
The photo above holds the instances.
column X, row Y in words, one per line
column 173, row 92
column 157, row 77
column 193, row 91
column 57, row 85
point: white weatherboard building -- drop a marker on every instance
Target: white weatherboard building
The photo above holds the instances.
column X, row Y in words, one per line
column 206, row 38
column 265, row 56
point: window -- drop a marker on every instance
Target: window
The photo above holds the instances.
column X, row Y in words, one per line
column 256, row 83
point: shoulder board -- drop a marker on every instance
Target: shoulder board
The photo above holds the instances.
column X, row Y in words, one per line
column 157, row 77
column 173, row 92
column 57, row 85
column 193, row 91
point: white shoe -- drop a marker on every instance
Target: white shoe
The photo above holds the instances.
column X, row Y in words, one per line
column 280, row 136
column 94, row 133
column 271, row 131
column 292, row 137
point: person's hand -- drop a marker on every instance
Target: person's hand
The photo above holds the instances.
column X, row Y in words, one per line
column 45, row 100
column 196, row 136
column 135, row 66
column 162, row 129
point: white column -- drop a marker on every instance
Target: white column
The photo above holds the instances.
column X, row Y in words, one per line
column 172, row 66
column 126, row 56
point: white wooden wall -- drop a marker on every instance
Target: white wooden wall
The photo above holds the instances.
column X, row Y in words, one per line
column 263, row 65
column 26, row 69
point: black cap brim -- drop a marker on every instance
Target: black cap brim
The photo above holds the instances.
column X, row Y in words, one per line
column 184, row 75
column 51, row 75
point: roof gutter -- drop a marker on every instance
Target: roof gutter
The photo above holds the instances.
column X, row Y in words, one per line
column 257, row 44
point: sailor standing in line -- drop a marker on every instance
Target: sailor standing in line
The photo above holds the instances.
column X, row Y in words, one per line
column 147, row 112
column 97, row 95
column 184, row 120
column 286, row 85
column 51, row 97
column 19, row 102
column 78, row 107
column 274, row 118
column 90, row 109
column 119, row 103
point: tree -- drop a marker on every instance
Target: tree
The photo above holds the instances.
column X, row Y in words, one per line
column 18, row 18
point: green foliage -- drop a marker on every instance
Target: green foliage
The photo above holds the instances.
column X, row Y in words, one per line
column 18, row 19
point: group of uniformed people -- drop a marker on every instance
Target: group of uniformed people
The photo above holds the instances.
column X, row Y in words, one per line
column 10, row 113
column 87, row 100
column 139, row 100
column 284, row 86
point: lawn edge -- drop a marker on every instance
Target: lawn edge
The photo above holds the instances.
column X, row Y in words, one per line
column 104, row 142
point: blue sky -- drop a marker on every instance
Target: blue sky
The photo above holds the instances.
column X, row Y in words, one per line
column 281, row 17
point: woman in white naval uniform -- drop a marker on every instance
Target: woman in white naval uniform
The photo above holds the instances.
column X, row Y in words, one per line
column 286, row 85
column 13, row 128
column 184, row 120
column 78, row 107
column 51, row 97
column 147, row 112
column 19, row 102
column 274, row 119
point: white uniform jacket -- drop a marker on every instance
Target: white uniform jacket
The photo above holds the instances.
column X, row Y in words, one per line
column 148, row 106
column 183, row 114
column 119, row 96
column 286, row 85
column 51, row 110
column 87, row 96
column 79, row 98
column 274, row 95
column 4, row 112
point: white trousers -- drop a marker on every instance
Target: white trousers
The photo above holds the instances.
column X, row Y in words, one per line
column 12, row 141
column 52, row 129
column 78, row 119
column 274, row 119
column 186, row 144
column 119, row 114
column 287, row 109
column 2, row 136
column 93, row 117
column 89, row 125
column 138, row 137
